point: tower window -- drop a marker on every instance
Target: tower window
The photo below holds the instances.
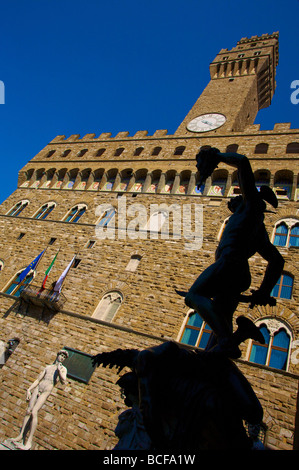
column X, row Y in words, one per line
column 156, row 150
column 100, row 152
column 138, row 151
column 261, row 148
column 293, row 147
column 66, row 153
column 52, row 241
column 179, row 150
column 49, row 154
column 82, row 152
column 118, row 151
column 21, row 236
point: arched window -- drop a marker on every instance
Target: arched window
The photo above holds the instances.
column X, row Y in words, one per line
column 100, row 152
column 75, row 213
column 283, row 288
column 261, row 148
column 275, row 351
column 15, row 286
column 45, row 210
column 233, row 148
column 133, row 263
column 196, row 332
column 1, row 265
column 283, row 183
column 106, row 217
column 179, row 150
column 287, row 233
column 82, row 152
column 49, row 154
column 218, row 185
column 108, row 306
column 156, row 221
column 66, row 153
column 293, row 147
column 138, row 151
column 156, row 150
column 118, row 151
column 281, row 235
column 294, row 236
column 18, row 208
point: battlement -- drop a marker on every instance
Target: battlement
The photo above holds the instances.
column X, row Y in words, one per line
column 108, row 136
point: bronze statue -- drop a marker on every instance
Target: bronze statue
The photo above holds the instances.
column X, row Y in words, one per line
column 217, row 291
column 188, row 400
column 184, row 399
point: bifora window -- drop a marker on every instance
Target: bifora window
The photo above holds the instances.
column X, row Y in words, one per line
column 287, row 233
column 196, row 331
column 283, row 288
column 15, row 286
column 108, row 306
column 106, row 217
column 75, row 213
column 44, row 211
column 18, row 208
column 275, row 351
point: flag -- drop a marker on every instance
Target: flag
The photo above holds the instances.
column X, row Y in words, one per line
column 58, row 285
column 31, row 266
column 49, row 269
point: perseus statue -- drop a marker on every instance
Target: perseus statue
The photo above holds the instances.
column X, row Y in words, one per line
column 218, row 290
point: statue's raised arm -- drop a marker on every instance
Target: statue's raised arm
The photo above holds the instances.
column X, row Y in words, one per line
column 209, row 159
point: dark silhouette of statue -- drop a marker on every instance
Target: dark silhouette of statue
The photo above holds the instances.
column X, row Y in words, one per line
column 184, row 399
column 217, row 291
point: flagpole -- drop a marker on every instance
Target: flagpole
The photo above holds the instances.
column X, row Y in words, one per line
column 66, row 273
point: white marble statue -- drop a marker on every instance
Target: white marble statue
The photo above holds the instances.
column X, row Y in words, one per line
column 37, row 394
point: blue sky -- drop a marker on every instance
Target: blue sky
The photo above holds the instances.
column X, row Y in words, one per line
column 93, row 66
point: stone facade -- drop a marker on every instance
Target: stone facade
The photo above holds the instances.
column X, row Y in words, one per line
column 130, row 172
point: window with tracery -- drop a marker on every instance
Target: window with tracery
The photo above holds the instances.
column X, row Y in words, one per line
column 287, row 233
column 108, row 306
column 275, row 351
column 75, row 213
column 44, row 211
column 196, row 332
column 18, row 208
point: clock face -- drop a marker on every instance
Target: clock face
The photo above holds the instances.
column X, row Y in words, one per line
column 206, row 122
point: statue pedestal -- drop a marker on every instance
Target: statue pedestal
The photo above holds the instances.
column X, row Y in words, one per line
column 8, row 444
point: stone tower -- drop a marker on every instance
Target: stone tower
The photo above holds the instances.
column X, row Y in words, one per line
column 126, row 210
column 242, row 83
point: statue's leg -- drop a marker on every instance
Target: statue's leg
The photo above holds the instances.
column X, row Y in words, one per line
column 208, row 286
column 32, row 402
column 39, row 403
